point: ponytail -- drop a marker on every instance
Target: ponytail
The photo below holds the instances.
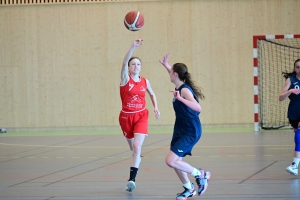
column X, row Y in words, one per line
column 183, row 74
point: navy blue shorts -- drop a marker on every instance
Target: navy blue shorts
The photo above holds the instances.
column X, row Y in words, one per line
column 183, row 146
column 294, row 123
column 186, row 134
column 294, row 111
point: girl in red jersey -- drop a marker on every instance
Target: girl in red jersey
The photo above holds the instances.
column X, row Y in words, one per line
column 133, row 117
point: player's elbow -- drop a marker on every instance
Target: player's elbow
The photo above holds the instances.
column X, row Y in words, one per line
column 198, row 109
column 280, row 98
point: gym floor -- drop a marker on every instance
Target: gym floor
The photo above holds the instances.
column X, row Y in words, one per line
column 78, row 165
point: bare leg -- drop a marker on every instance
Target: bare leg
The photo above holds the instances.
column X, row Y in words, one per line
column 137, row 149
column 182, row 168
column 135, row 145
column 182, row 175
column 173, row 161
column 130, row 143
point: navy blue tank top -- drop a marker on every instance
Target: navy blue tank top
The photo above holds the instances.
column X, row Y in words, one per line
column 294, row 105
column 295, row 84
column 181, row 110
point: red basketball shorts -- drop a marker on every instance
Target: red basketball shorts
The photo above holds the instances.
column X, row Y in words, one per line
column 132, row 123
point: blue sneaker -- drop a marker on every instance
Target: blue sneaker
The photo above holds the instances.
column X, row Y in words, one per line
column 202, row 181
column 187, row 193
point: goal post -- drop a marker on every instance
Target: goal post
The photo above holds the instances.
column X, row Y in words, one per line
column 272, row 55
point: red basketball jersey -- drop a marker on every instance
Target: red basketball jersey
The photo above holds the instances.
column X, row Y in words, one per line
column 133, row 95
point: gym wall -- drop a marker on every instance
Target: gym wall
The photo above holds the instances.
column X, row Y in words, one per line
column 60, row 61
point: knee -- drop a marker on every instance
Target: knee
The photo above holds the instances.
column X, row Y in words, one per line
column 170, row 163
column 137, row 148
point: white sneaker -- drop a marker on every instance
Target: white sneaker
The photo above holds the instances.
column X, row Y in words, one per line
column 293, row 169
column 202, row 181
column 130, row 186
column 2, row 130
column 186, row 193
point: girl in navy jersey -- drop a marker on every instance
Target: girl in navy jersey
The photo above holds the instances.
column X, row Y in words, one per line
column 133, row 117
column 187, row 129
column 291, row 89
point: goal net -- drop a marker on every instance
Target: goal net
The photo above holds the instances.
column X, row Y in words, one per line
column 274, row 56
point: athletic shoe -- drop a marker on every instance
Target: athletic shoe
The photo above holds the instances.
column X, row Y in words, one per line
column 293, row 169
column 130, row 186
column 202, row 181
column 187, row 193
column 2, row 130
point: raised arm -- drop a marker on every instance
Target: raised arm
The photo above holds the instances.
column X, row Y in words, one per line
column 124, row 69
column 165, row 63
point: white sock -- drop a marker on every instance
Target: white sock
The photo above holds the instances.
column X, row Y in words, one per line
column 195, row 172
column 296, row 160
column 188, row 185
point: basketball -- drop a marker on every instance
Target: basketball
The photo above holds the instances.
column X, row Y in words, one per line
column 134, row 21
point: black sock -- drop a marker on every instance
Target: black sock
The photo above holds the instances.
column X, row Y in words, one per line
column 133, row 172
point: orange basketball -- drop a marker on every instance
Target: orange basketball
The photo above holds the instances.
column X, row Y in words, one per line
column 134, row 21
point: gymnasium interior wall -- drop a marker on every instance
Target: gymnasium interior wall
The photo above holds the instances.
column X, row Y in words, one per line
column 60, row 63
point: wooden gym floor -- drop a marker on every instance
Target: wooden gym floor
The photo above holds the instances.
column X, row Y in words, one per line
column 91, row 165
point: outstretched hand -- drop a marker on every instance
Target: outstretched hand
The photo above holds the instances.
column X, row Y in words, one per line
column 295, row 91
column 138, row 42
column 165, row 60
